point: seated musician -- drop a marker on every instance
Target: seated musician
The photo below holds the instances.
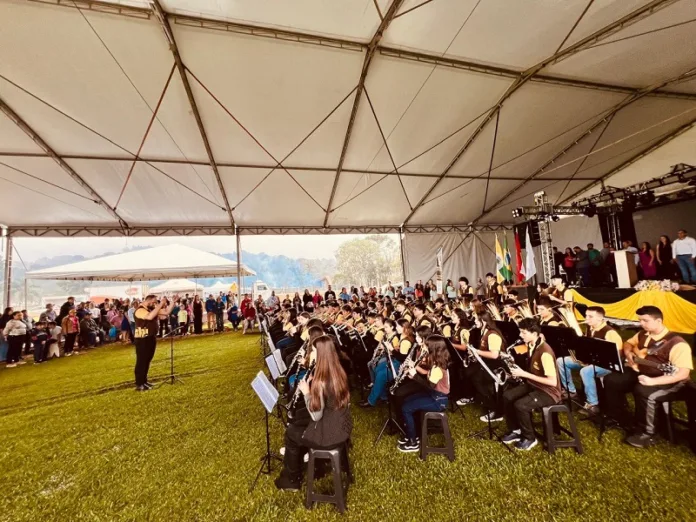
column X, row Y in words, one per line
column 648, row 354
column 302, row 362
column 432, row 375
column 597, row 329
column 547, row 317
column 559, row 293
column 541, row 387
column 291, row 331
column 383, row 370
column 327, row 398
column 510, row 312
column 386, row 332
column 420, row 318
column 464, row 288
column 492, row 341
column 358, row 321
column 403, row 312
column 462, row 389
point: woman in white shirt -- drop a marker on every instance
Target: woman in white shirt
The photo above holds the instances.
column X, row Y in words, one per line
column 16, row 333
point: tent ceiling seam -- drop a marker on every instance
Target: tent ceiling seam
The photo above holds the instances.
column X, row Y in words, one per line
column 161, row 15
column 640, row 13
column 369, row 54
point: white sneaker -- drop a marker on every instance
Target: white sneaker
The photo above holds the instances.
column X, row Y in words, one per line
column 282, row 451
column 491, row 415
column 21, row 362
column 68, row 354
column 464, row 401
column 12, row 365
column 306, row 458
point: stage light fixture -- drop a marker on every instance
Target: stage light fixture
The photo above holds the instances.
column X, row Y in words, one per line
column 590, row 210
column 555, row 218
column 629, row 203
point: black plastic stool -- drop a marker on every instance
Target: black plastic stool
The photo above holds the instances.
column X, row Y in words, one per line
column 448, row 448
column 553, row 427
column 338, row 457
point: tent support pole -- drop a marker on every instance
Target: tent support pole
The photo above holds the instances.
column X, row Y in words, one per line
column 401, row 249
column 239, row 264
column 7, row 281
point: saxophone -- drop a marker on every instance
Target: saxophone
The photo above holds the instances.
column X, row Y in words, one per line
column 505, row 373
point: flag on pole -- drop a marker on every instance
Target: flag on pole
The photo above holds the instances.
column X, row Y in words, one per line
column 507, row 260
column 529, row 263
column 499, row 262
column 518, row 259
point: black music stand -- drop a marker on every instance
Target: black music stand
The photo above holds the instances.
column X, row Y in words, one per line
column 563, row 342
column 492, row 433
column 604, row 354
column 172, row 378
column 509, row 330
column 269, row 398
column 390, row 418
column 276, row 367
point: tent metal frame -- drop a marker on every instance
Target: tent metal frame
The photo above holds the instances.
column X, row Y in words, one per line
column 371, row 48
column 110, row 231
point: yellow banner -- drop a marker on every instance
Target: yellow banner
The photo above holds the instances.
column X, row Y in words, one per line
column 679, row 314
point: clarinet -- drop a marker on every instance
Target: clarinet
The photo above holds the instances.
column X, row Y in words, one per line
column 378, row 352
column 298, row 356
column 408, row 363
column 296, row 395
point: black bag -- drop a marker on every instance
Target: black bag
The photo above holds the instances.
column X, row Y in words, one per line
column 333, row 429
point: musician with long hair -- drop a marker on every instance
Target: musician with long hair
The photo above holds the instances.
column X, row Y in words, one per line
column 492, row 342
column 658, row 365
column 383, row 371
column 408, row 386
column 541, row 387
column 433, row 377
column 462, row 388
column 327, row 397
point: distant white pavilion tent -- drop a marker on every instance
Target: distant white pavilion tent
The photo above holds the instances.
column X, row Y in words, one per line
column 177, row 286
column 164, row 262
column 220, row 286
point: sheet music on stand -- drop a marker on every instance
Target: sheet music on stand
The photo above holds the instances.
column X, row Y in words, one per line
column 498, row 382
column 270, row 343
column 560, row 339
column 509, row 330
column 272, row 366
column 265, row 391
column 598, row 352
column 278, row 356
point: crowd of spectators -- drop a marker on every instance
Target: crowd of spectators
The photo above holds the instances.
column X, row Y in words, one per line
column 674, row 260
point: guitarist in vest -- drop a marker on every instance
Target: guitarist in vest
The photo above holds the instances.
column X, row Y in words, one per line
column 541, row 387
column 146, row 325
column 658, row 364
column 597, row 329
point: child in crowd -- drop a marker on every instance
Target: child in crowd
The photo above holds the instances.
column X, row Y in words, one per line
column 53, row 343
column 233, row 316
column 39, row 337
column 183, row 318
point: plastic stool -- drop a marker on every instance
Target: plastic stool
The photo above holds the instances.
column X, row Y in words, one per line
column 552, row 427
column 336, row 457
column 448, row 448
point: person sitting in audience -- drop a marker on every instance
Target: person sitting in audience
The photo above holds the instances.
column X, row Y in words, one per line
column 648, row 354
column 90, row 332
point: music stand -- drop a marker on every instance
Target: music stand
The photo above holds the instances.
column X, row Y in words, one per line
column 509, row 330
column 390, row 418
column 604, row 354
column 562, row 341
column 268, row 395
column 492, row 434
column 172, row 377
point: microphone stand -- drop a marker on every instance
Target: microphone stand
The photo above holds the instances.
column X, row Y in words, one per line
column 172, row 376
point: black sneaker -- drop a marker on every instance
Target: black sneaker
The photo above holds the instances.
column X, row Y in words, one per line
column 409, row 447
column 365, row 404
column 142, row 387
column 512, row 436
column 565, row 394
column 285, row 484
column 525, row 444
column 640, row 440
column 404, row 439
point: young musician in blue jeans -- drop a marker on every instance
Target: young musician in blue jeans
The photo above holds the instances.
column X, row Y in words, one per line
column 433, row 375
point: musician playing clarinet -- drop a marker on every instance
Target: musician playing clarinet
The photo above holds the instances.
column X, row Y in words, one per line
column 541, row 387
column 651, row 356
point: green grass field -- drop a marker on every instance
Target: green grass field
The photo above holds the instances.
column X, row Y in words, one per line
column 79, row 444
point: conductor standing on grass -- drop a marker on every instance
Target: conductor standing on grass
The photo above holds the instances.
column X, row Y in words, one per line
column 146, row 326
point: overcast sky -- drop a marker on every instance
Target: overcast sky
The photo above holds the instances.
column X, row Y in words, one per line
column 307, row 246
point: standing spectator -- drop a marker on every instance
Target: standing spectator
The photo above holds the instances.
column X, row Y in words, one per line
column 174, row 315
column 557, row 261
column 219, row 315
column 163, row 318
column 70, row 326
column 582, row 265
column 246, row 302
column 133, row 306
column 68, row 305
column 4, row 346
column 126, row 332
column 210, row 311
column 82, row 310
column 390, row 292
column 39, row 337
column 408, row 290
column 48, row 315
column 273, row 300
column 96, row 313
column 569, row 265
column 53, row 344
column 233, row 316
column 29, row 322
column 307, row 300
column 450, row 290
column 297, row 302
column 15, row 332
column 647, row 261
column 426, row 290
column 182, row 318
column 684, row 253
column 628, row 247
column 595, row 257
column 663, row 254
column 198, row 314
column 344, row 295
column 316, row 298
column 329, row 295
column 419, row 291
column 606, row 250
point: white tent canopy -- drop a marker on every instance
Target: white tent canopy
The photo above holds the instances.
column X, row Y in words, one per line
column 218, row 287
column 164, row 262
column 366, row 115
column 177, row 285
